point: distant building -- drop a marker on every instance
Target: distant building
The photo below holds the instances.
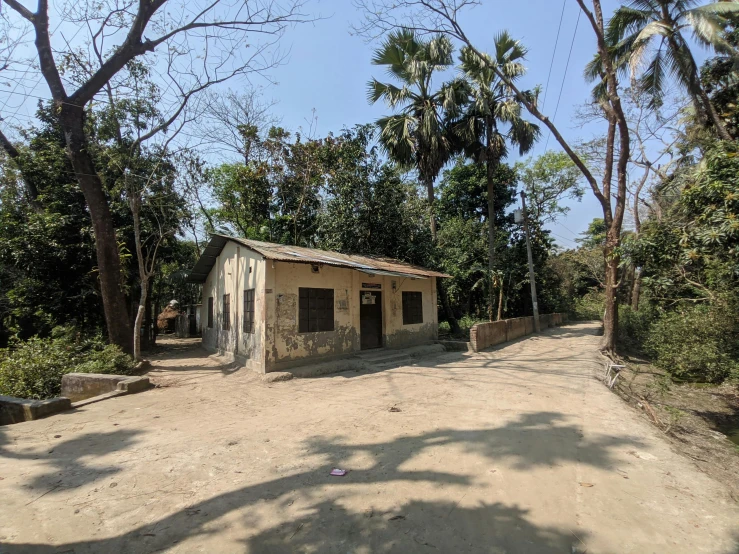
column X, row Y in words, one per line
column 275, row 306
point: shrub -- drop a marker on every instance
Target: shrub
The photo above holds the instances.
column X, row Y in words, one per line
column 34, row 368
column 634, row 327
column 589, row 307
column 696, row 343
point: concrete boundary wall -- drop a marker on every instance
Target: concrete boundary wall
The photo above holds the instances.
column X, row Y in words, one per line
column 485, row 335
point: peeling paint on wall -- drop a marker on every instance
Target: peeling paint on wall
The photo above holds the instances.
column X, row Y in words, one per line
column 287, row 309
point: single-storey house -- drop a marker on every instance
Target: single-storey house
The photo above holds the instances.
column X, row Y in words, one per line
column 275, row 306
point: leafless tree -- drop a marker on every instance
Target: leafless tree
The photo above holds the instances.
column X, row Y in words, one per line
column 236, row 121
column 443, row 16
column 147, row 247
column 193, row 45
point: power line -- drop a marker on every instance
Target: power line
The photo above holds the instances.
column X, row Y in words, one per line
column 564, row 77
column 556, row 44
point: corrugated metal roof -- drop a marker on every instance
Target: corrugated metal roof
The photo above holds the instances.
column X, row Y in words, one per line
column 299, row 254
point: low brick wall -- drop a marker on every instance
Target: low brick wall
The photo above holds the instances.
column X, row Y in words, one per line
column 485, row 335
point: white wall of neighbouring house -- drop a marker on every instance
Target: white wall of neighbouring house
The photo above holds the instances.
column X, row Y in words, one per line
column 236, row 270
column 286, row 346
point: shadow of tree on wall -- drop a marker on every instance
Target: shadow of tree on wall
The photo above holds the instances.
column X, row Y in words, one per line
column 324, row 523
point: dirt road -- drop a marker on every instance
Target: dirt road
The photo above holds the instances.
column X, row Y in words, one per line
column 516, row 450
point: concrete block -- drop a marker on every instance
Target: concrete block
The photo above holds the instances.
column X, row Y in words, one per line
column 132, row 385
column 81, row 386
column 16, row 410
column 455, row 345
column 277, row 376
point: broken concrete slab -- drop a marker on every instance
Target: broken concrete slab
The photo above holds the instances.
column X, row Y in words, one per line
column 17, row 410
column 277, row 376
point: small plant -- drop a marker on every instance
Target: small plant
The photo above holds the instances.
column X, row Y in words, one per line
column 675, row 416
column 34, row 368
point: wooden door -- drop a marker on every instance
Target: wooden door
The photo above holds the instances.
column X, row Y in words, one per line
column 370, row 319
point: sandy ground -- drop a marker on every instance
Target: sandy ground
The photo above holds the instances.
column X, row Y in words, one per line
column 516, row 450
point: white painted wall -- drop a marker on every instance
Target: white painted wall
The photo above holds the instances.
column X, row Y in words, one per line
column 237, row 269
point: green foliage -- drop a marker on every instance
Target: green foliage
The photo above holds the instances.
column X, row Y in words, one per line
column 547, row 179
column 466, row 323
column 697, row 343
column 34, row 368
column 243, row 195
column 419, row 135
column 634, row 327
column 720, row 80
column 369, row 208
column 589, row 307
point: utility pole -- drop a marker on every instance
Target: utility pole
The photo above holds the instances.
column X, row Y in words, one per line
column 532, row 277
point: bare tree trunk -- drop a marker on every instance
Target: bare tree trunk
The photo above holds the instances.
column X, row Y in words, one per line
column 636, row 290
column 106, row 243
column 491, row 227
column 140, row 320
column 500, row 302
column 431, row 200
column 714, row 117
column 147, row 343
column 610, row 318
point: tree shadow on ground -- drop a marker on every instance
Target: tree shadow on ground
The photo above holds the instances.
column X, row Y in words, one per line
column 417, row 526
column 72, row 461
column 322, row 522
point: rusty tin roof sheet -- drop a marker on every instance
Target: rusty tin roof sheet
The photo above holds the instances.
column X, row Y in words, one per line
column 299, row 254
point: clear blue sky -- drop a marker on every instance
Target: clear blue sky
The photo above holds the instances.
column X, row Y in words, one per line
column 328, row 70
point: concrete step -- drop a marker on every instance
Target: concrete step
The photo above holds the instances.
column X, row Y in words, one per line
column 388, row 356
column 390, row 363
column 383, row 358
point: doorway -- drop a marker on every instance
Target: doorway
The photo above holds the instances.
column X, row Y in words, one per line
column 370, row 320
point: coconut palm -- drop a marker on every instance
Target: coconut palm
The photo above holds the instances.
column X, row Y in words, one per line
column 419, row 135
column 492, row 121
column 650, row 35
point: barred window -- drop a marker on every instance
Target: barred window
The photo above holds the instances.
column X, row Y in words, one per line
column 210, row 312
column 226, row 312
column 249, row 311
column 315, row 310
column 412, row 308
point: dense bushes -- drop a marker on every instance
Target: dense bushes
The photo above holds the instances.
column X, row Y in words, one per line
column 634, row 327
column 690, row 343
column 34, row 368
column 589, row 307
column 696, row 343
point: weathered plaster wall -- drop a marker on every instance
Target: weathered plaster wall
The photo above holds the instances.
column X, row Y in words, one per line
column 397, row 335
column 236, row 270
column 285, row 344
column 287, row 347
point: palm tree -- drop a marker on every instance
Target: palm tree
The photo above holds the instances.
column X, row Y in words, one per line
column 419, row 135
column 493, row 120
column 650, row 34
